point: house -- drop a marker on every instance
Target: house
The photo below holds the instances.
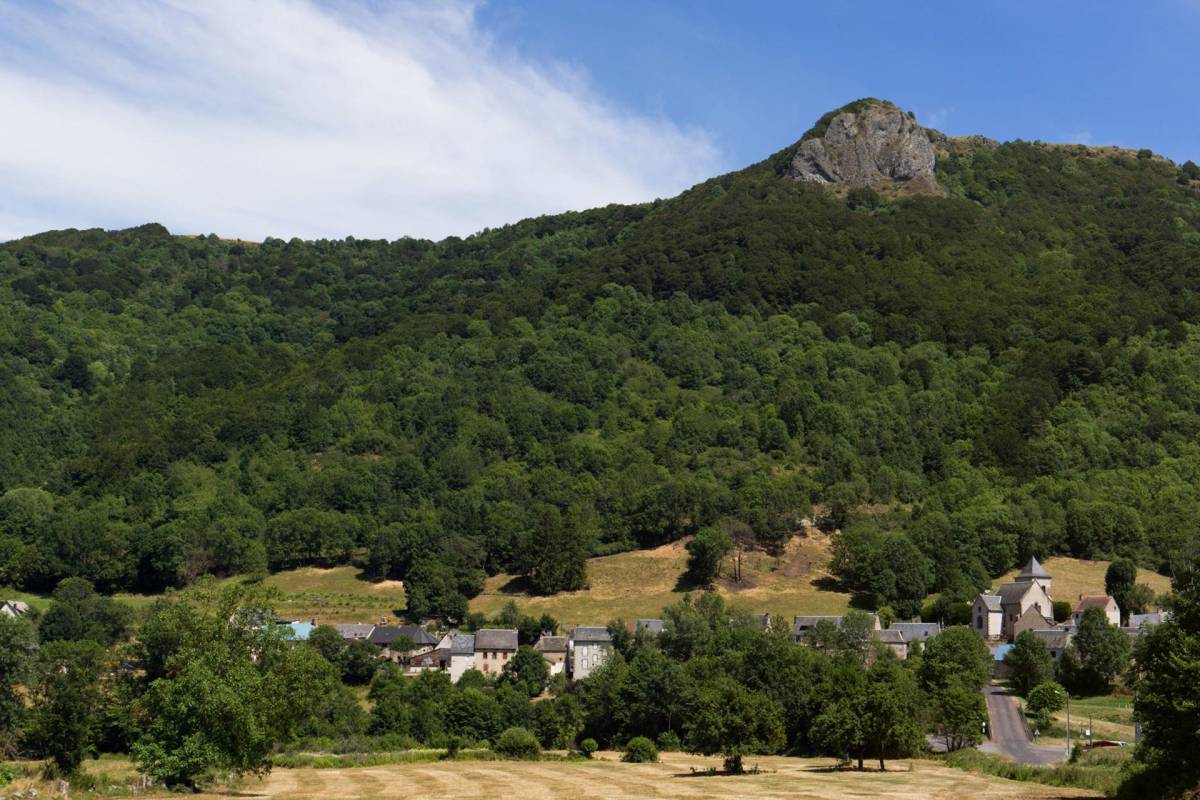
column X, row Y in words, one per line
column 590, row 647
column 384, row 636
column 987, row 615
column 893, row 640
column 456, row 653
column 1018, row 597
column 651, row 626
column 554, row 652
column 1101, row 601
column 1031, row 620
column 1147, row 620
column 14, row 608
column 916, row 631
column 1034, row 573
column 801, row 624
column 1056, row 639
column 493, row 648
column 354, row 630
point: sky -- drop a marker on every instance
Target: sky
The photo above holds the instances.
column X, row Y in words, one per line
column 390, row 118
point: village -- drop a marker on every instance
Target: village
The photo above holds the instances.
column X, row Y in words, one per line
column 999, row 616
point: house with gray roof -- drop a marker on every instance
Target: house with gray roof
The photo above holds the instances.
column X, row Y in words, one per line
column 917, row 631
column 457, row 653
column 493, row 648
column 352, row 631
column 987, row 617
column 802, row 623
column 387, row 636
column 893, row 640
column 554, row 651
column 651, row 626
column 590, row 649
column 1035, row 573
column 1056, row 639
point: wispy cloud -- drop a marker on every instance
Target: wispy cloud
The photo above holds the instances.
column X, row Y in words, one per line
column 301, row 119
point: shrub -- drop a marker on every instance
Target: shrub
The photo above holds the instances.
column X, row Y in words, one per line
column 668, row 741
column 1044, row 700
column 453, row 745
column 588, row 747
column 518, row 743
column 1062, row 610
column 640, row 750
column 6, row 776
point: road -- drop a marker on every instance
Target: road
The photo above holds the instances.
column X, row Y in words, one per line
column 1009, row 734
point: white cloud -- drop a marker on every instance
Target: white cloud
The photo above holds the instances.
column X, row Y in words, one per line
column 295, row 119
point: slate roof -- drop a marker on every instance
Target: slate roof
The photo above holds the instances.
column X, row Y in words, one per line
column 552, row 644
column 495, row 639
column 917, row 631
column 803, row 623
column 1033, row 570
column 354, row 630
column 890, row 636
column 591, row 635
column 1011, row 593
column 1055, row 638
column 384, row 635
column 991, row 602
column 462, row 644
column 654, row 626
column 1099, row 601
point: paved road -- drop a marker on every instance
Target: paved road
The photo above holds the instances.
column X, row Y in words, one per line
column 1009, row 734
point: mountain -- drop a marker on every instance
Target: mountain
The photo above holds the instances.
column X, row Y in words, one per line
column 959, row 361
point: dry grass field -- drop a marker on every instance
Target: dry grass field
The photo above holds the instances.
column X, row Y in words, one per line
column 640, row 583
column 608, row 779
column 1074, row 576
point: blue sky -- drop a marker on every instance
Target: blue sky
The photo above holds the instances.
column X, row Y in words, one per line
column 382, row 118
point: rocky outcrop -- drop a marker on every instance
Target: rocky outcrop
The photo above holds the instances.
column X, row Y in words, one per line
column 871, row 144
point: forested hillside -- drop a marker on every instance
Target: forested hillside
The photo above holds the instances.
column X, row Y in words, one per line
column 1012, row 369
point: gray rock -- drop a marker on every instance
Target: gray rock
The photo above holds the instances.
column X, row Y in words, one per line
column 876, row 145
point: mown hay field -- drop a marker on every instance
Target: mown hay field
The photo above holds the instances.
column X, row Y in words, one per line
column 608, row 779
column 1075, row 576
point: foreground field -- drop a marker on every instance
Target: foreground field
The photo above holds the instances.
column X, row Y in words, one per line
column 1074, row 576
column 812, row 779
column 640, row 583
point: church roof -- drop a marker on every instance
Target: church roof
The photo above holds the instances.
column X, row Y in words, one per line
column 1033, row 570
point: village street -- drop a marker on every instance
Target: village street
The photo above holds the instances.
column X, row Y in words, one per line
column 1009, row 734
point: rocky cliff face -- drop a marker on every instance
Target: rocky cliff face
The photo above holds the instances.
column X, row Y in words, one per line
column 868, row 144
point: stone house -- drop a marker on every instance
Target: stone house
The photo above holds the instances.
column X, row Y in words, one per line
column 554, row 652
column 1101, row 601
column 1019, row 597
column 386, row 636
column 493, row 648
column 893, row 640
column 987, row 617
column 14, row 608
column 353, row 631
column 590, row 648
column 455, row 653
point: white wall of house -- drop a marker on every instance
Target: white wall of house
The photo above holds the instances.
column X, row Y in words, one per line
column 586, row 657
column 988, row 624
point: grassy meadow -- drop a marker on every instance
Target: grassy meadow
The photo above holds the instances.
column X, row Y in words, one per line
column 1075, row 576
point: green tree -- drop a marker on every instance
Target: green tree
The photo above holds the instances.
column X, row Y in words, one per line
column 528, row 670
column 63, row 722
column 18, row 647
column 727, row 718
column 224, row 688
column 959, row 713
column 1166, row 695
column 706, row 551
column 1119, row 580
column 1029, row 663
column 640, row 750
column 1098, row 653
column 956, row 656
column 1044, row 700
column 892, row 711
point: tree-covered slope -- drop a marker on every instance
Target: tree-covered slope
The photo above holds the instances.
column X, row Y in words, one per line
column 1011, row 367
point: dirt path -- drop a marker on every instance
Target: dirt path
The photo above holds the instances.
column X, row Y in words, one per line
column 673, row 779
column 1009, row 736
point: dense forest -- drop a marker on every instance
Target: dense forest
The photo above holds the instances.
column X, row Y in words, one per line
column 956, row 383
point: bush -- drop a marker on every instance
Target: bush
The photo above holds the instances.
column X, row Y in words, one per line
column 1044, row 700
column 588, row 747
column 518, row 743
column 668, row 741
column 640, row 750
column 6, row 776
column 1062, row 610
